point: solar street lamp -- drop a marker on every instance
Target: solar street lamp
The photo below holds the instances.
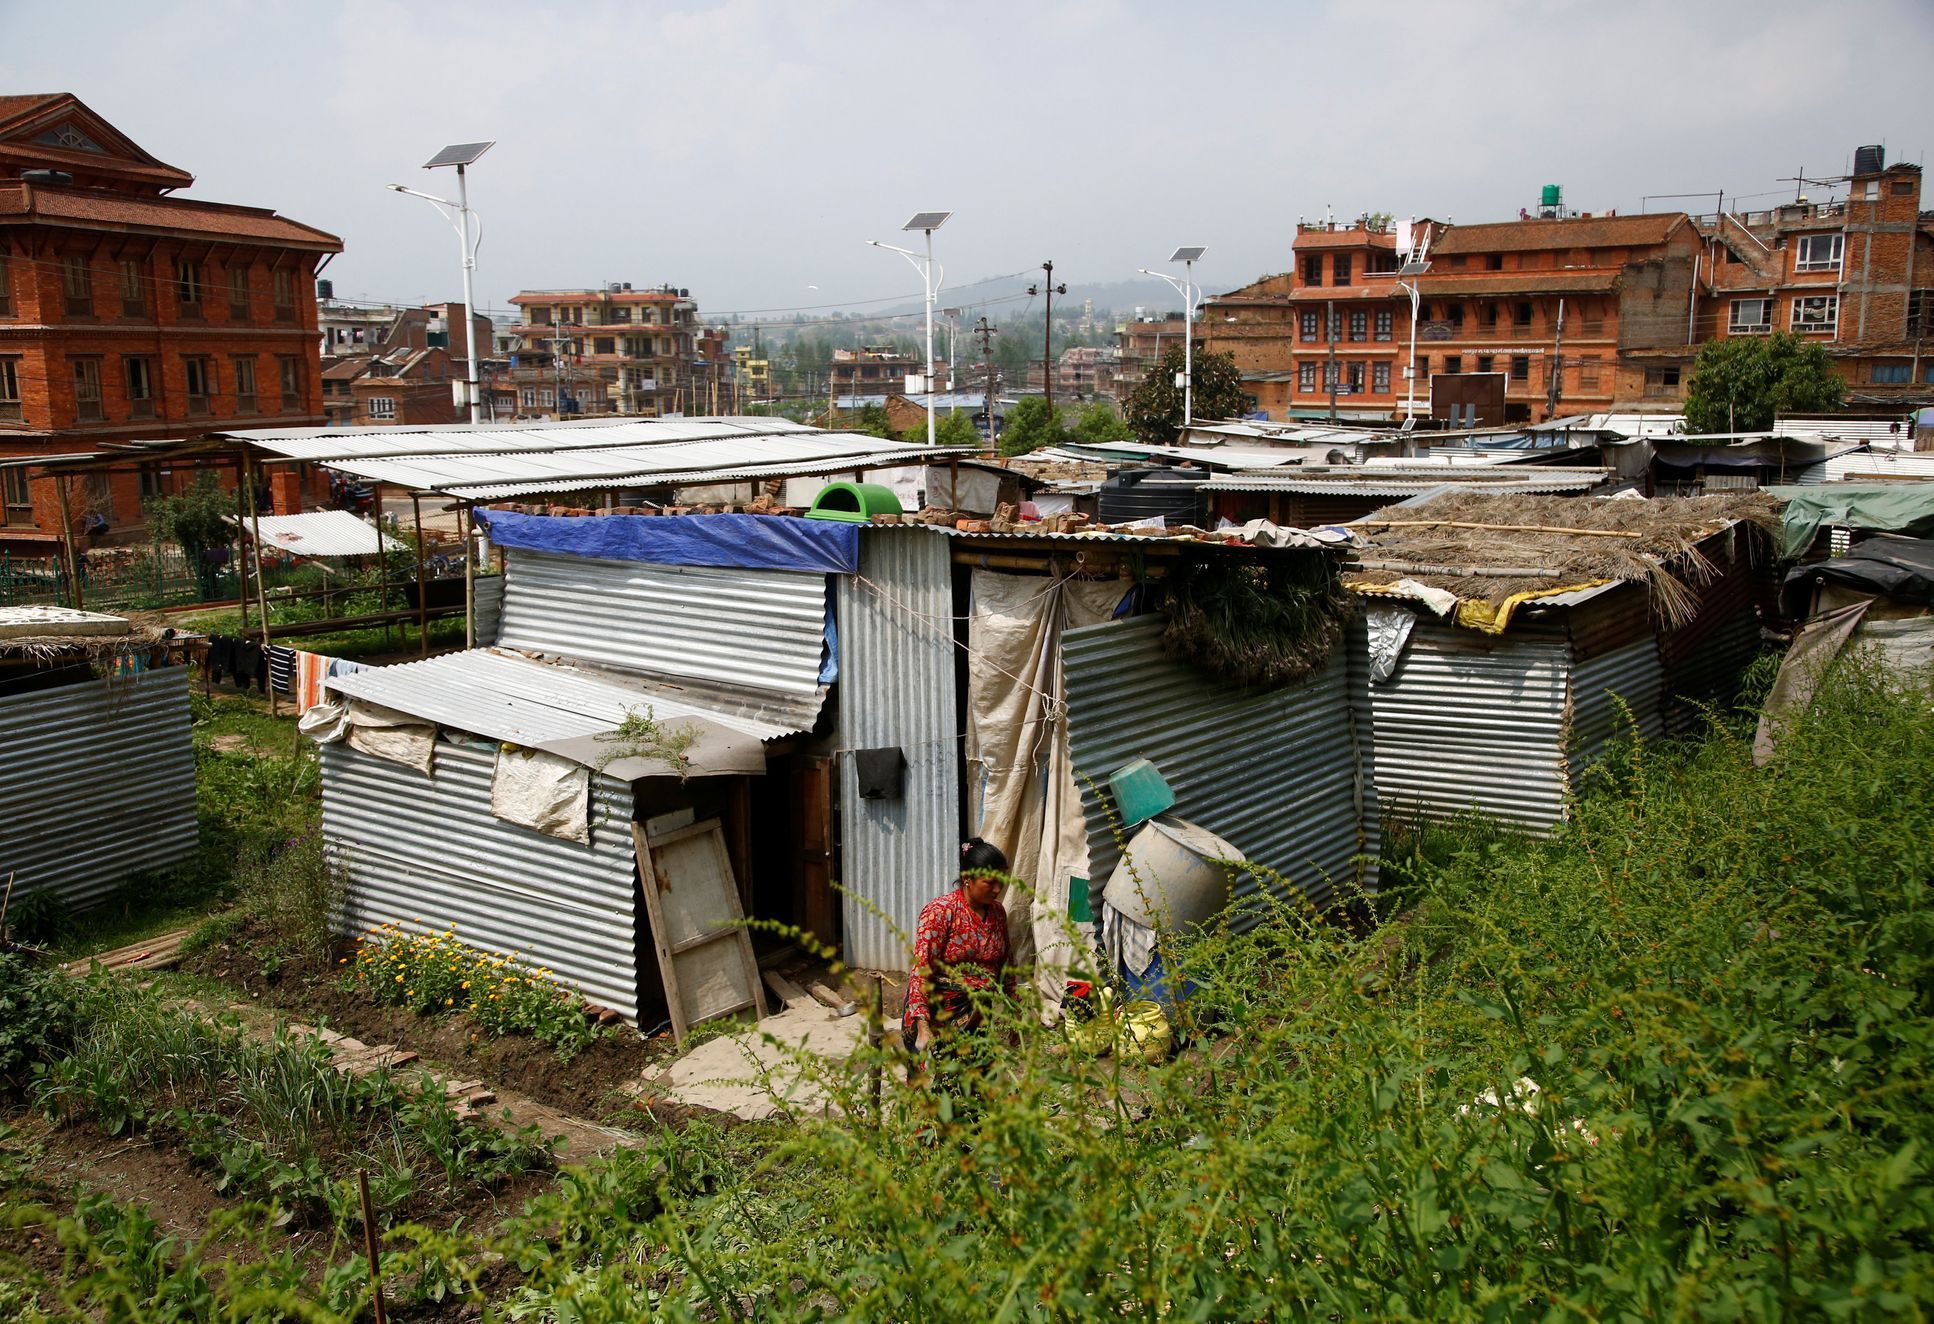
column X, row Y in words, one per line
column 458, row 213
column 926, row 222
column 1191, row 299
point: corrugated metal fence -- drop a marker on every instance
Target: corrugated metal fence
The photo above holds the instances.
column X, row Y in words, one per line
column 426, row 852
column 898, row 689
column 97, row 781
column 1274, row 773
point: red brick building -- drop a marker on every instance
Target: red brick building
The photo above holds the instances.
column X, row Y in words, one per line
column 126, row 313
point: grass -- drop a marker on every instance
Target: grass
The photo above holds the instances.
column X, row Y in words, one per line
column 398, row 641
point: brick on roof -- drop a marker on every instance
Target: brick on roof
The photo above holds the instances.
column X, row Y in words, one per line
column 19, row 106
column 1526, row 236
column 1341, row 238
column 90, row 206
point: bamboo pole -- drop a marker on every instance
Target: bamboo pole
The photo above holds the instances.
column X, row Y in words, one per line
column 422, row 590
column 241, row 542
column 1458, row 571
column 261, row 593
column 1496, row 528
column 376, row 1303
column 74, row 593
column 382, row 557
column 467, row 523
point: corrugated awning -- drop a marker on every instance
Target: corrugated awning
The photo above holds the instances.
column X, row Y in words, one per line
column 326, row 533
column 573, row 712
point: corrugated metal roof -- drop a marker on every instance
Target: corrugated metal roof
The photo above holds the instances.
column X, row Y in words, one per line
column 1273, row 772
column 897, row 660
column 1869, row 430
column 1864, row 466
column 552, row 706
column 97, row 781
column 321, row 533
column 716, row 632
column 1385, row 482
column 424, row 852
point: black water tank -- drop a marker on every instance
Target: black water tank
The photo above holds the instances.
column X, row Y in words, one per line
column 1174, row 494
column 1869, row 160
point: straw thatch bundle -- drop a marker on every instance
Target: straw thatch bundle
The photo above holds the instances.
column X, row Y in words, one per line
column 1527, row 543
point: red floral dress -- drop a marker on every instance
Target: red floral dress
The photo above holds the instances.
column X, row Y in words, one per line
column 954, row 951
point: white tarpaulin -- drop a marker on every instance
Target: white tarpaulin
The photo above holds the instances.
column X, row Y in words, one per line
column 1017, row 737
column 542, row 792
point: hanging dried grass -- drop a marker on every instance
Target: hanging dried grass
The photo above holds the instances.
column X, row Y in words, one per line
column 1257, row 624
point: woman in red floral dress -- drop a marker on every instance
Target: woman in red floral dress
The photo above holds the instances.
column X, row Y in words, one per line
column 959, row 948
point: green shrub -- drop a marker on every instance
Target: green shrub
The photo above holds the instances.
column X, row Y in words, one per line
column 36, row 1018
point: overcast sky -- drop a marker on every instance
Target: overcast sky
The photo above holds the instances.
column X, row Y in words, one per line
column 747, row 149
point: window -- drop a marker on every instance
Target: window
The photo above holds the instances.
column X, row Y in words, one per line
column 1904, row 188
column 87, row 391
column 99, row 494
column 1520, row 367
column 1359, row 324
column 604, row 345
column 1818, row 252
column 245, row 384
column 284, row 295
column 238, row 294
column 1384, row 323
column 1892, row 374
column 6, row 289
column 1306, row 376
column 1313, row 270
column 77, row 284
column 188, row 288
column 1750, row 317
column 198, row 383
column 140, row 375
column 1456, row 312
column 1339, row 268
column 1920, row 313
column 1521, row 313
column 540, row 317
column 1661, row 379
column 291, row 372
column 619, row 315
column 1330, row 375
column 1494, row 262
column 1485, row 363
column 1380, row 378
column 1312, row 324
column 134, row 289
column 1453, row 363
column 10, row 390
column 18, row 500
column 527, row 398
column 1487, row 316
column 382, row 406
column 1588, row 371
column 1816, row 312
column 1356, row 378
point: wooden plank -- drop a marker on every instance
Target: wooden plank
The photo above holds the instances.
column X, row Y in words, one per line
column 695, row 907
column 815, row 901
column 785, row 990
column 648, row 888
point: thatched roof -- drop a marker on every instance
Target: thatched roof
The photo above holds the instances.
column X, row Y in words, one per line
column 49, row 634
column 1489, row 548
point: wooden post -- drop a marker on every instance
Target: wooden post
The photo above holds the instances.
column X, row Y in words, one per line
column 241, row 542
column 875, row 1035
column 467, row 523
column 422, row 594
column 74, row 594
column 382, row 558
column 261, row 594
column 369, row 1250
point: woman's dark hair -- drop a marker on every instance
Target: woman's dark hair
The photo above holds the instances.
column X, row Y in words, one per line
column 976, row 856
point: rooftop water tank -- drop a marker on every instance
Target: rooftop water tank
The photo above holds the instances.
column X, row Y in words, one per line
column 1869, row 160
column 1553, row 196
column 1133, row 494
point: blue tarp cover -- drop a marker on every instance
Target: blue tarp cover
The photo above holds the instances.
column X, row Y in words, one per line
column 756, row 542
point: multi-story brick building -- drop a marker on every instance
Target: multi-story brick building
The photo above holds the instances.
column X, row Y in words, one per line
column 610, row 350
column 1139, row 344
column 879, row 370
column 127, row 313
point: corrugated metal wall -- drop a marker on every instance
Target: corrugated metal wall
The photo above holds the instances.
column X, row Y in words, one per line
column 897, row 687
column 1704, row 657
column 1630, row 673
column 1273, row 773
column 760, row 628
column 490, row 608
column 425, row 852
column 1472, row 722
column 97, row 781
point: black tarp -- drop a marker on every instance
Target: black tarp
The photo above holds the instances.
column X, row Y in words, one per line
column 1885, row 565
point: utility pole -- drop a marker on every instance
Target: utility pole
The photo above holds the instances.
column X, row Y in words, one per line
column 1047, row 332
column 986, row 334
column 1329, row 331
column 1556, row 384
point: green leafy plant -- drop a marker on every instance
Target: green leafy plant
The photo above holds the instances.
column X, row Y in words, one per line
column 197, row 517
column 1154, row 408
column 1742, row 383
column 640, row 736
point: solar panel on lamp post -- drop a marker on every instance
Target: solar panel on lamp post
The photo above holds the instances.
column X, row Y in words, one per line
column 461, row 155
column 926, row 222
column 1191, row 297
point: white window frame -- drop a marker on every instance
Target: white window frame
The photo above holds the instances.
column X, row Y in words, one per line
column 1827, row 325
column 380, row 406
column 1804, row 244
column 1739, row 326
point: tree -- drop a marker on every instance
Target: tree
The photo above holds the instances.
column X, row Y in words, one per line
column 196, row 518
column 949, row 429
column 1740, row 384
column 1030, row 425
column 1154, row 408
column 1098, row 422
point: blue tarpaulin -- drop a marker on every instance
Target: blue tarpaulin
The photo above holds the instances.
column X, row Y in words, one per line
column 756, row 542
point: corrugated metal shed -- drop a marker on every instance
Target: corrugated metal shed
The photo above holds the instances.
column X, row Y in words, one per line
column 1868, row 466
column 1274, row 773
column 897, row 676
column 1612, row 695
column 426, row 852
column 1399, row 483
column 758, row 630
column 1833, row 428
column 490, row 608
column 97, row 782
column 1472, row 722
column 325, row 533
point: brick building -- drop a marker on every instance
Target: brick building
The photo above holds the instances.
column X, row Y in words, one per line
column 126, row 313
column 610, row 350
column 879, row 370
column 394, row 357
column 1138, row 346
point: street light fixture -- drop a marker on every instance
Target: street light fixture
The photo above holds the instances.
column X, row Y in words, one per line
column 458, row 213
column 1188, row 256
column 1414, row 250
column 925, row 222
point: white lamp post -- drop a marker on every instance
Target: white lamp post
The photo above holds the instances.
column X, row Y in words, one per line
column 1191, row 299
column 1414, row 253
column 926, row 222
column 458, row 213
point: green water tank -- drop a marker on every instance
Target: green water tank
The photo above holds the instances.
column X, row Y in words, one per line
column 854, row 503
column 1553, row 196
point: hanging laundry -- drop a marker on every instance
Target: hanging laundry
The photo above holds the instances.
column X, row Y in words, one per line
column 310, row 668
column 281, row 669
